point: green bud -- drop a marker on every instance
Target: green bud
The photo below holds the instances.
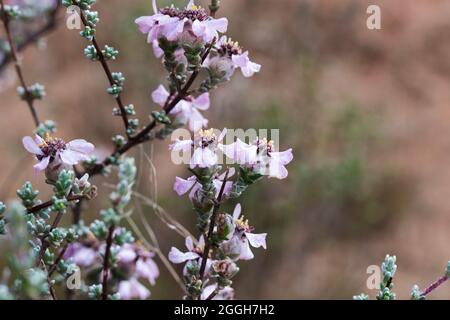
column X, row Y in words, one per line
column 109, row 53
column 91, row 53
column 118, row 78
column 28, row 195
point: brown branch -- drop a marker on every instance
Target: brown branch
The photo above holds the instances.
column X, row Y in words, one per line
column 109, row 241
column 27, row 95
column 108, row 73
column 212, row 222
column 49, row 203
column 58, row 259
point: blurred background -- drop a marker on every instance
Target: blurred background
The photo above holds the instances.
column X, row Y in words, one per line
column 365, row 111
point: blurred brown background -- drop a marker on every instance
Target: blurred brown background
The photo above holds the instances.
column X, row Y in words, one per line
column 366, row 113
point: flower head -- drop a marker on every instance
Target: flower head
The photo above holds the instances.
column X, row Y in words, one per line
column 182, row 186
column 260, row 156
column 228, row 57
column 132, row 288
column 204, row 146
column 244, row 237
column 171, row 23
column 56, row 152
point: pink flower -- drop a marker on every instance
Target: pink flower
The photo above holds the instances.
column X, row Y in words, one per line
column 244, row 237
column 194, row 251
column 133, row 256
column 160, row 25
column 240, row 152
column 132, row 288
column 187, row 111
column 81, row 255
column 127, row 254
column 260, row 157
column 248, row 68
column 56, row 150
column 204, row 147
column 229, row 56
column 271, row 163
column 171, row 23
column 147, row 268
column 182, row 186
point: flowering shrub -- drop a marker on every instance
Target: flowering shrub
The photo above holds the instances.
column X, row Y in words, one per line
column 105, row 260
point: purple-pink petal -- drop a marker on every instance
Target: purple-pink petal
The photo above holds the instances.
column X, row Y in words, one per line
column 31, row 146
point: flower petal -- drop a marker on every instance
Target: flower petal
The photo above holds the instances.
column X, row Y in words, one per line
column 202, row 102
column 42, row 165
column 181, row 186
column 176, row 256
column 246, row 252
column 31, row 146
column 237, row 211
column 147, row 269
column 81, row 145
column 256, row 240
column 71, row 157
column 189, row 244
column 160, row 95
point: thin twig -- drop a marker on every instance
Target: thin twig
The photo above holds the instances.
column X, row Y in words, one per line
column 108, row 73
column 109, row 241
column 434, row 285
column 212, row 222
column 58, row 259
column 49, row 203
column 27, row 95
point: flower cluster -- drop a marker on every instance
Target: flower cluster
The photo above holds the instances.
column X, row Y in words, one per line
column 189, row 41
column 211, row 262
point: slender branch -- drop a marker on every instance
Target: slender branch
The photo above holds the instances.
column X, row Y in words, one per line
column 212, row 295
column 49, row 203
column 106, row 263
column 108, row 73
column 58, row 259
column 434, row 285
column 212, row 222
column 27, row 95
column 32, row 37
